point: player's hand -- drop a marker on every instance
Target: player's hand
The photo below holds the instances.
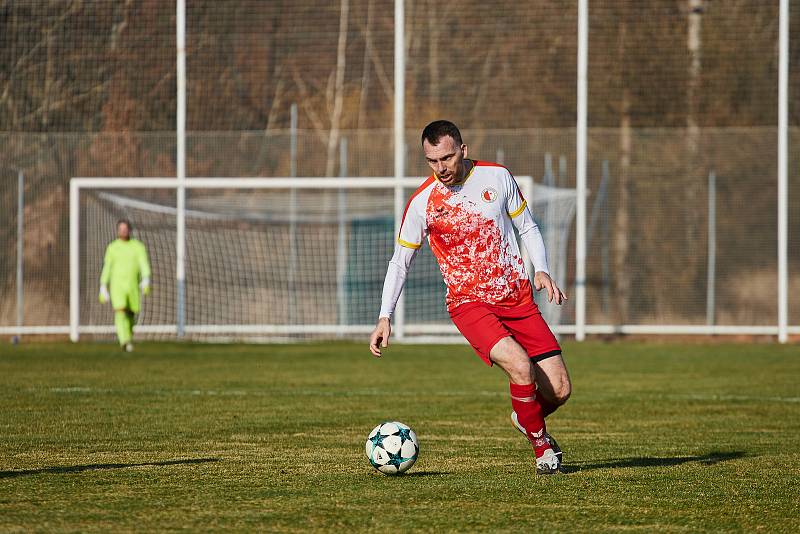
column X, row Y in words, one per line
column 104, row 296
column 145, row 285
column 542, row 280
column 380, row 336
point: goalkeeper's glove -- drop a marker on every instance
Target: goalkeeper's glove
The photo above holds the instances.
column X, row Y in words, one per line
column 145, row 286
column 104, row 296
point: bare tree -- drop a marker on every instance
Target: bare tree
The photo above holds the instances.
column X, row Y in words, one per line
column 434, row 35
column 338, row 89
column 365, row 74
column 622, row 230
column 694, row 168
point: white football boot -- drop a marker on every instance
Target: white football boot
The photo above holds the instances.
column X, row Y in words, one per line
column 551, row 439
column 547, row 463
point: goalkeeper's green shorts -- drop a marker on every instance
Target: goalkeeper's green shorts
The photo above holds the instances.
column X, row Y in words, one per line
column 126, row 298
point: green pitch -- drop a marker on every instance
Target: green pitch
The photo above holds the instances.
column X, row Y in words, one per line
column 670, row 438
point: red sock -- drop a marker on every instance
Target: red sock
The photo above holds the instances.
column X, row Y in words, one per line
column 547, row 406
column 529, row 415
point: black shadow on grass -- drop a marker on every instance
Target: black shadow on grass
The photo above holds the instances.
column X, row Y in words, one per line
column 98, row 467
column 706, row 459
column 426, row 474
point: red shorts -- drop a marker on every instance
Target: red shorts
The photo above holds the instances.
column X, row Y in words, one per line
column 484, row 325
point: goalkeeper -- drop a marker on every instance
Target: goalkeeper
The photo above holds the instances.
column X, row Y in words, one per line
column 126, row 270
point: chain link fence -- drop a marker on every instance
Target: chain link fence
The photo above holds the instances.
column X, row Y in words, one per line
column 678, row 92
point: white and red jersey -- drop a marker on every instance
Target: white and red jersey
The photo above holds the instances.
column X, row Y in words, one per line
column 470, row 228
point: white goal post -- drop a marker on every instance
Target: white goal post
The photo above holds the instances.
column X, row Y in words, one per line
column 239, row 227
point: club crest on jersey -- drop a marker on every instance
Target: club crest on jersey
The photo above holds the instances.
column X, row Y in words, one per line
column 489, row 195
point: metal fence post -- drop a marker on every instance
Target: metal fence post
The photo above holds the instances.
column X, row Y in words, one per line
column 712, row 249
column 20, row 251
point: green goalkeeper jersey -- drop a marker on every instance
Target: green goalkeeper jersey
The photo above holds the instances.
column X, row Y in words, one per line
column 125, row 264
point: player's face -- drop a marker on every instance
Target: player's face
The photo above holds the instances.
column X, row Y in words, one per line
column 123, row 232
column 447, row 160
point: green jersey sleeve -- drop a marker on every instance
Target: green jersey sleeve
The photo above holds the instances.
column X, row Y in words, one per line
column 144, row 261
column 105, row 276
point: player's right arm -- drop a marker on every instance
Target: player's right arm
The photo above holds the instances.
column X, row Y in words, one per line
column 412, row 232
column 393, row 284
column 105, row 275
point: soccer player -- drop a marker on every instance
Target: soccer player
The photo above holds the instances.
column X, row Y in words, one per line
column 126, row 270
column 468, row 210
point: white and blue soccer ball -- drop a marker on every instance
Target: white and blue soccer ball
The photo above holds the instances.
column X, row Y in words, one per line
column 392, row 448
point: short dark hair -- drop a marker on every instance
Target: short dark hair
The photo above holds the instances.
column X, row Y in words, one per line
column 127, row 223
column 438, row 129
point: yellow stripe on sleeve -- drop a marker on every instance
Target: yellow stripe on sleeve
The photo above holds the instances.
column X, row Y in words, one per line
column 406, row 244
column 519, row 210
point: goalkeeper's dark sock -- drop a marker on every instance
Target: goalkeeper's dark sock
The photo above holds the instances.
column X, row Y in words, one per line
column 529, row 415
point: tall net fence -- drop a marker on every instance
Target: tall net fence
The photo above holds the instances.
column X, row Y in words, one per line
column 678, row 91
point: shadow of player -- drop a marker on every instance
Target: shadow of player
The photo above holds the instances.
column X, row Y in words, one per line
column 98, row 467
column 711, row 458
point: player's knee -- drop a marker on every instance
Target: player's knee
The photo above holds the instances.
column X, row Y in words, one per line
column 562, row 392
column 519, row 377
column 512, row 359
column 518, row 370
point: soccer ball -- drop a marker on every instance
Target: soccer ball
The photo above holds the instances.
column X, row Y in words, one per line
column 392, row 448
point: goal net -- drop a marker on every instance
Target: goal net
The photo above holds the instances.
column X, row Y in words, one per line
column 272, row 259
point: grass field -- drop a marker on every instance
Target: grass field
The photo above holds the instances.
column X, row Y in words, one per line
column 670, row 438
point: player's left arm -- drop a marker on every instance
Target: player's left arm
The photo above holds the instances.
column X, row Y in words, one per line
column 522, row 218
column 144, row 269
